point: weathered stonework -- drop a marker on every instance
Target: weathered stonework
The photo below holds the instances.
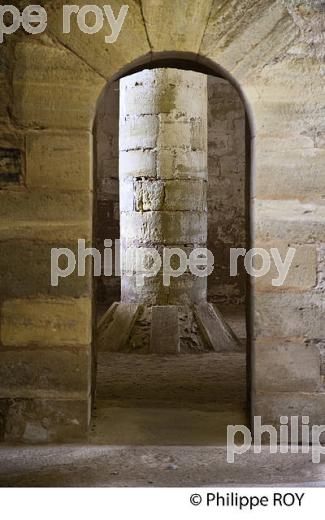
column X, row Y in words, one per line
column 25, row 322
column 227, row 190
column 156, row 211
column 273, row 51
column 163, row 211
column 225, row 187
column 10, row 166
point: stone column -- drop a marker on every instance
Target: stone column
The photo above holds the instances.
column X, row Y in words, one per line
column 163, row 178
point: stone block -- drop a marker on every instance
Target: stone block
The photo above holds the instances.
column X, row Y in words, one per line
column 45, row 373
column 107, row 188
column 43, row 420
column 136, row 259
column 286, row 365
column 174, row 133
column 301, row 275
column 290, row 174
column 5, row 99
column 165, row 227
column 138, row 132
column 164, row 335
column 285, row 74
column 199, row 134
column 66, row 90
column 182, row 164
column 127, row 199
column 104, row 58
column 184, row 290
column 46, row 322
column 271, row 406
column 214, row 329
column 287, row 119
column 5, row 73
column 59, row 161
column 142, row 94
column 45, row 215
column 149, row 195
column 245, row 36
column 11, row 169
column 185, row 195
column 175, row 26
column 138, row 163
column 164, row 91
column 289, row 220
column 12, row 139
column 106, row 318
column 25, row 271
column 116, row 327
column 289, row 315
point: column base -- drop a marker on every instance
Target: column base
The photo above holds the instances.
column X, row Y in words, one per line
column 164, row 329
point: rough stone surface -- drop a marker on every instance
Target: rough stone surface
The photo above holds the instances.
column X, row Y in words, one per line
column 176, row 26
column 213, row 327
column 301, row 275
column 43, row 83
column 45, row 373
column 57, row 160
column 289, row 315
column 35, row 421
column 34, row 257
column 46, row 322
column 164, row 336
column 156, row 211
column 282, row 174
column 271, row 49
column 204, row 381
column 270, row 406
column 45, row 215
column 226, row 189
column 113, row 336
column 188, row 329
column 152, row 466
column 291, row 219
column 242, row 35
column 184, row 290
column 105, row 59
column 11, row 169
column 225, row 184
column 296, row 362
column 190, row 338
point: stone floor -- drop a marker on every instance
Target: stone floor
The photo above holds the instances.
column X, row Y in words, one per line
column 184, row 399
column 161, row 421
column 176, row 466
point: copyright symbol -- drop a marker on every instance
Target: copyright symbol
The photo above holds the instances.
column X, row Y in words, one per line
column 196, row 499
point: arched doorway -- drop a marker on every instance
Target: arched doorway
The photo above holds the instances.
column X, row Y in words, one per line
column 131, row 390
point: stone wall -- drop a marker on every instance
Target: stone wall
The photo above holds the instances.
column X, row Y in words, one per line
column 106, row 188
column 226, row 187
column 45, row 203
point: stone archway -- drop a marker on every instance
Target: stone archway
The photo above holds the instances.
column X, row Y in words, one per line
column 199, row 382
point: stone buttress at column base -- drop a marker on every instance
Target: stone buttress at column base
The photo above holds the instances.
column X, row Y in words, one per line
column 163, row 204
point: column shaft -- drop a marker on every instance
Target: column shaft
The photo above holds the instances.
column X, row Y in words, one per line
column 163, row 177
